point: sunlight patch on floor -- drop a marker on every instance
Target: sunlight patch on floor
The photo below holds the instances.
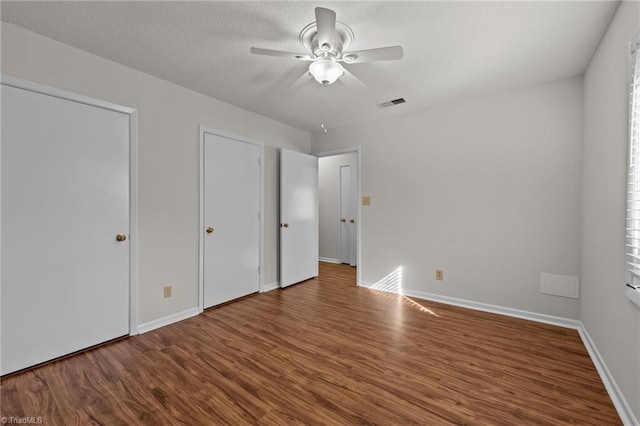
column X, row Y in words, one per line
column 392, row 283
column 418, row 306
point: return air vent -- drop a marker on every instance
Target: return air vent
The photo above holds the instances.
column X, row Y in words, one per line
column 392, row 103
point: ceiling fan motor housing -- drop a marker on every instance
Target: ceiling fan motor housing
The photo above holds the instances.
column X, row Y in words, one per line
column 343, row 39
column 325, row 50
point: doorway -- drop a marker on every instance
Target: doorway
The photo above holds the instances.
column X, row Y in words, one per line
column 300, row 227
column 339, row 212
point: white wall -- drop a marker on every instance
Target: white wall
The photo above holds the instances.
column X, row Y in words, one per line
column 168, row 119
column 487, row 189
column 329, row 195
column 610, row 319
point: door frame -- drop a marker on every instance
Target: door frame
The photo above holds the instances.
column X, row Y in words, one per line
column 358, row 151
column 207, row 130
column 133, row 175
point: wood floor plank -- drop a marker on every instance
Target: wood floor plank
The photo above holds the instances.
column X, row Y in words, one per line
column 324, row 352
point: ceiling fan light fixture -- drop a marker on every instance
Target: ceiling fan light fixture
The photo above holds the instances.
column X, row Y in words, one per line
column 326, row 71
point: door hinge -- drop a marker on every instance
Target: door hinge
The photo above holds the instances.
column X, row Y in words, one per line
column 259, row 163
column 258, row 215
column 258, row 268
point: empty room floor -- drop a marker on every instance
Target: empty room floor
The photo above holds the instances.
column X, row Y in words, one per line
column 324, row 352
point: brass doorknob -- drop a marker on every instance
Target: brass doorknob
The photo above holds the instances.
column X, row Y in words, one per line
column 343, row 220
column 286, row 225
column 352, row 221
column 121, row 237
column 209, row 230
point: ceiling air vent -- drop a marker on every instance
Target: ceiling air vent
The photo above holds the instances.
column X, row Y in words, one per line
column 392, row 103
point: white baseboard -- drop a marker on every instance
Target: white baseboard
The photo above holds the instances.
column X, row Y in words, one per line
column 618, row 399
column 328, row 260
column 270, row 286
column 495, row 309
column 169, row 319
column 620, row 403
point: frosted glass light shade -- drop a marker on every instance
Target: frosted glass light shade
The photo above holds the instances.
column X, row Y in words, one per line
column 326, row 71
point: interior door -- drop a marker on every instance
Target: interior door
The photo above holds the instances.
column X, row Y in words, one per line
column 298, row 217
column 353, row 216
column 348, row 214
column 231, row 219
column 65, row 198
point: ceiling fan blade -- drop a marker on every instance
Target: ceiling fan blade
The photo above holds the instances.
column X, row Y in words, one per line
column 281, row 54
column 326, row 27
column 351, row 80
column 380, row 54
column 304, row 79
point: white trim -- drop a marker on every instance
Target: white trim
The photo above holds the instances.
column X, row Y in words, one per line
column 133, row 223
column 494, row 309
column 270, row 286
column 169, row 319
column 200, row 219
column 133, row 174
column 357, row 150
column 328, row 260
column 617, row 397
column 63, row 94
column 339, row 204
column 202, row 130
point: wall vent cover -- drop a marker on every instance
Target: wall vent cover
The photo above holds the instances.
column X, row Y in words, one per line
column 392, row 103
column 560, row 285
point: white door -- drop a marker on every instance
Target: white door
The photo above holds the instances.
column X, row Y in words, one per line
column 348, row 211
column 298, row 217
column 65, row 198
column 231, row 219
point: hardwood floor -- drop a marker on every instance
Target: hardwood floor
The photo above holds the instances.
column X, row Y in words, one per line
column 324, row 352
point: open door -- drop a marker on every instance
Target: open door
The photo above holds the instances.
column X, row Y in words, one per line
column 298, row 217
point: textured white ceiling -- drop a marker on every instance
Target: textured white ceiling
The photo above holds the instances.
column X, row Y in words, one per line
column 453, row 50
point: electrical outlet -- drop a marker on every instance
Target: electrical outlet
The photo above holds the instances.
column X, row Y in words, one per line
column 167, row 291
column 439, row 275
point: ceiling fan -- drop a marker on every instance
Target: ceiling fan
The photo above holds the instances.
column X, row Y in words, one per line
column 326, row 40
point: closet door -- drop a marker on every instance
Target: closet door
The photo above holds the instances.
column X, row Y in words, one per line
column 231, row 219
column 65, row 227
